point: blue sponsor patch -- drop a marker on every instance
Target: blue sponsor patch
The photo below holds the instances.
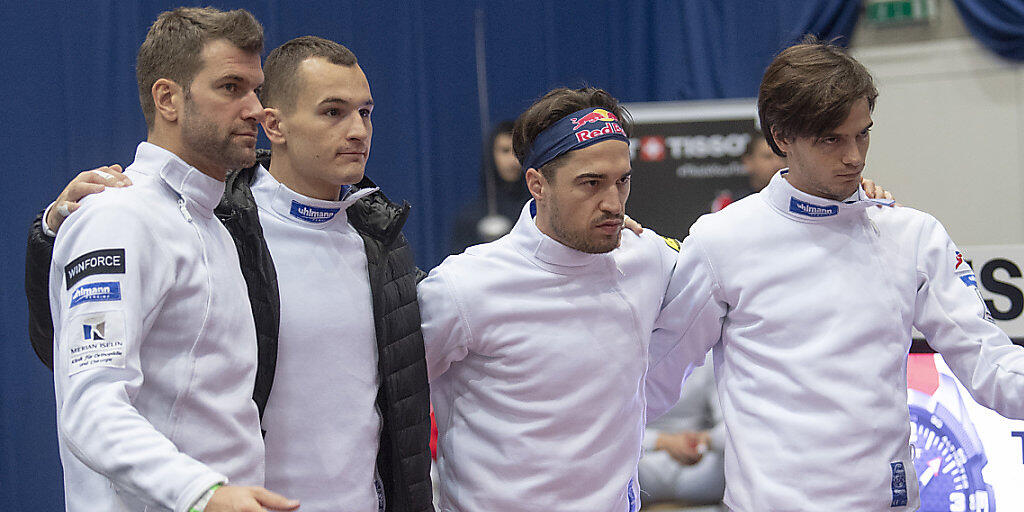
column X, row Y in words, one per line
column 969, row 280
column 96, row 292
column 631, row 496
column 899, row 484
column 312, row 214
column 812, row 210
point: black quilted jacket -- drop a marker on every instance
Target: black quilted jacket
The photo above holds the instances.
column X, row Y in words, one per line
column 403, row 460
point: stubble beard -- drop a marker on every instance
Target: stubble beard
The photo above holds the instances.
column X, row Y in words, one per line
column 205, row 139
column 577, row 240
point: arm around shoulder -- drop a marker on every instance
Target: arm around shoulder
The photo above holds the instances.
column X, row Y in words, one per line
column 37, row 282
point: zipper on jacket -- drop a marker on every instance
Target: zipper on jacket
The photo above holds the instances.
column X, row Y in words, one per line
column 184, row 209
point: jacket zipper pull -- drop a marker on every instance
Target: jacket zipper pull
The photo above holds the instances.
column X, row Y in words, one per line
column 184, row 209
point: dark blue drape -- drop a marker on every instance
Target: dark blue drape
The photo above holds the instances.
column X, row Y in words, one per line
column 70, row 103
column 998, row 24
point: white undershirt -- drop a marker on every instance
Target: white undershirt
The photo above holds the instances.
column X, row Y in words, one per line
column 321, row 418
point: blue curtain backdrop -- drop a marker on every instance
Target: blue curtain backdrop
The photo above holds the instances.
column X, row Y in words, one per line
column 997, row 24
column 71, row 104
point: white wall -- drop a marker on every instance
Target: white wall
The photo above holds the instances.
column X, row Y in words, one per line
column 949, row 135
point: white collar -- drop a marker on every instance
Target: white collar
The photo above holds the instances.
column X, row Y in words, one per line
column 190, row 183
column 804, row 207
column 303, row 210
column 550, row 254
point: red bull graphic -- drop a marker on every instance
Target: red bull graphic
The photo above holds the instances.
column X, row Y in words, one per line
column 598, row 115
column 595, row 116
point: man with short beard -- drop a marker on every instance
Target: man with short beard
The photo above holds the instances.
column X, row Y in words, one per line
column 537, row 343
column 309, row 224
column 155, row 351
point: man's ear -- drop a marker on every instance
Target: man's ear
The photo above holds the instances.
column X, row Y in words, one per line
column 782, row 142
column 272, row 126
column 536, row 184
column 168, row 98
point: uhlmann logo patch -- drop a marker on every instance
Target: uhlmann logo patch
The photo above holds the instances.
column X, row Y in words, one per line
column 811, row 210
column 312, row 213
column 96, row 292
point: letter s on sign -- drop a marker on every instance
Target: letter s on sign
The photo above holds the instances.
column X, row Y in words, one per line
column 1011, row 292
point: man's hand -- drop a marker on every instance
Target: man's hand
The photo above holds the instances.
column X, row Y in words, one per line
column 87, row 182
column 232, row 498
column 685, row 447
column 875, row 191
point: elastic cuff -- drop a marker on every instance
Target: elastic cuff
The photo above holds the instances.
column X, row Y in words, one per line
column 46, row 229
column 204, row 500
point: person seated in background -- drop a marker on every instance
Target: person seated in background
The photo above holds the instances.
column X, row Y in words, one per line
column 682, row 461
column 491, row 215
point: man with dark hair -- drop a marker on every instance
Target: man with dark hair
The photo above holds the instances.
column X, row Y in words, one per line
column 808, row 293
column 537, row 342
column 332, row 282
column 154, row 354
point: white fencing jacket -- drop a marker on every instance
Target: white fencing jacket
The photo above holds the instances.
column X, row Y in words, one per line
column 537, row 354
column 155, row 347
column 809, row 304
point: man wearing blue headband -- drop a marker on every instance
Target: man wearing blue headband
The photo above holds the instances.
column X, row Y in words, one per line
column 537, row 343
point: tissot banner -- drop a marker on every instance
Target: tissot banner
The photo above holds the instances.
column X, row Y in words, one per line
column 686, row 157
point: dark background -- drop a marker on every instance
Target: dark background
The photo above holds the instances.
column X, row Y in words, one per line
column 70, row 103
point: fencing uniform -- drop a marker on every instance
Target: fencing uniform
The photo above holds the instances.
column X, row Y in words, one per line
column 537, row 354
column 809, row 304
column 321, row 420
column 155, row 351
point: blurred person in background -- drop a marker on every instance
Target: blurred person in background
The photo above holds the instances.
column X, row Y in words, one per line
column 503, row 194
column 760, row 164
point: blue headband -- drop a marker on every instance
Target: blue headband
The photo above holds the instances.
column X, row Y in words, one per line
column 574, row 131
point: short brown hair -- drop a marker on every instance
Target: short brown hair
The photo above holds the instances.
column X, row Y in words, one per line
column 809, row 89
column 554, row 106
column 175, row 42
column 280, row 72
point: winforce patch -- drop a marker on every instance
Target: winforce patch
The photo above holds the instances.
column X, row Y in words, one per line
column 812, row 210
column 312, row 214
column 98, row 340
column 96, row 292
column 899, row 484
column 103, row 261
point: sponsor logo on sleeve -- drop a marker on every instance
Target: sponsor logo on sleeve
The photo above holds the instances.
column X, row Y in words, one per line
column 962, row 269
column 313, row 214
column 811, row 210
column 99, row 342
column 96, row 292
column 103, row 261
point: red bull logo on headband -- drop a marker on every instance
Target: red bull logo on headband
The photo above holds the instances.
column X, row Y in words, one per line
column 598, row 115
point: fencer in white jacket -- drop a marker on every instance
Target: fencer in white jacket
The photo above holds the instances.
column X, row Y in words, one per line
column 537, row 343
column 155, row 351
column 808, row 293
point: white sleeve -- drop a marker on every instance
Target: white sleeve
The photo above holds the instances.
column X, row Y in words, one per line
column 689, row 324
column 953, row 318
column 446, row 334
column 108, row 276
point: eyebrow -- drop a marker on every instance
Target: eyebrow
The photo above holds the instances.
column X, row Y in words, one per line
column 335, row 99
